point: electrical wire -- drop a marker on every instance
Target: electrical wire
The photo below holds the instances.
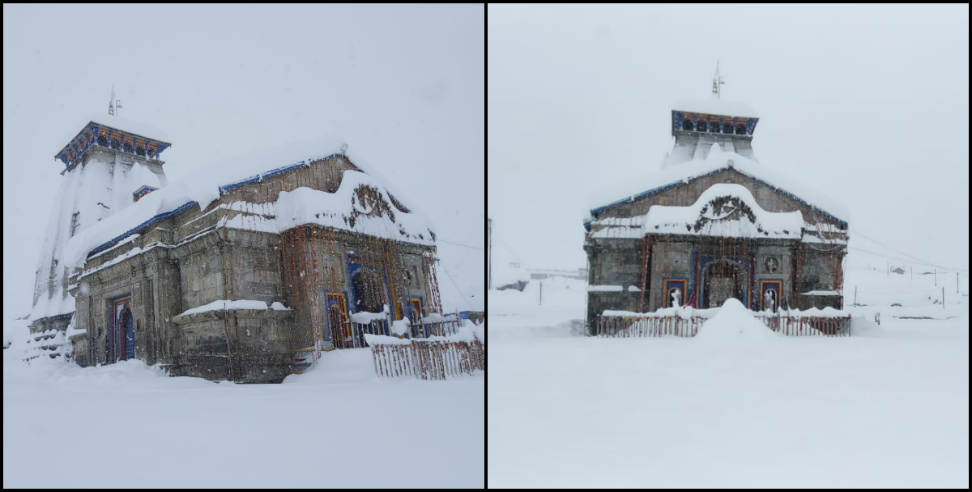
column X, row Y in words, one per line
column 913, row 258
column 459, row 244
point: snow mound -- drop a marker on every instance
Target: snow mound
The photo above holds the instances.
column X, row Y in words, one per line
column 400, row 326
column 733, row 322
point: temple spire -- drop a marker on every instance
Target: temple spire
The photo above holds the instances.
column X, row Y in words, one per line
column 113, row 104
column 717, row 81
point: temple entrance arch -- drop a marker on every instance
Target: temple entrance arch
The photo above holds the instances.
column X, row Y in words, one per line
column 366, row 287
column 120, row 337
column 724, row 278
column 128, row 331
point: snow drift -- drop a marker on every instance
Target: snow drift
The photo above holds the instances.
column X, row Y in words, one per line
column 733, row 323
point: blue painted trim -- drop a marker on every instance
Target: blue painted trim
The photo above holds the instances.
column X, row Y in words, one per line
column 779, row 294
column 685, row 290
column 161, row 216
column 279, row 170
column 89, row 133
column 252, row 179
column 272, row 172
column 141, row 189
column 659, row 189
column 352, row 267
column 112, row 334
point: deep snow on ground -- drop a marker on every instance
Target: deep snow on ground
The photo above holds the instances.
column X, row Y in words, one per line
column 337, row 425
column 888, row 407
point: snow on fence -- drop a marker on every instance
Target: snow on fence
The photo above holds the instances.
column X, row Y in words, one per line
column 428, row 327
column 427, row 359
column 807, row 325
column 685, row 322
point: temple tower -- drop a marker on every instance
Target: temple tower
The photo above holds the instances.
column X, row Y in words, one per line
column 109, row 165
column 698, row 124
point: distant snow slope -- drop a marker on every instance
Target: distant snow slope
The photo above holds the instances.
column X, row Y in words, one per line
column 887, row 407
column 334, row 426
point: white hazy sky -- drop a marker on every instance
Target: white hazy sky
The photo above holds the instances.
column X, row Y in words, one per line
column 403, row 83
column 869, row 103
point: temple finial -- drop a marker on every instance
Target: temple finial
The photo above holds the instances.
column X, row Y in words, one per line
column 717, row 81
column 113, row 104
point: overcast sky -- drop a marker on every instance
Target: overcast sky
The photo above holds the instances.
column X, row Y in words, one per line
column 403, row 84
column 868, row 103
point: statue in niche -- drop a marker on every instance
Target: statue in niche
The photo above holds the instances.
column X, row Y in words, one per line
column 675, row 296
column 769, row 300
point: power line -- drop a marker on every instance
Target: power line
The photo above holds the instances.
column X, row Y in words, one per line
column 459, row 244
column 905, row 260
column 914, row 258
column 461, row 293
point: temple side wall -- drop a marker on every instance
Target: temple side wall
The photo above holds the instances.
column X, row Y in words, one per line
column 188, row 261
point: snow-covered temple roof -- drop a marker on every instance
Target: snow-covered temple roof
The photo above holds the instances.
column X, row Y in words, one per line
column 708, row 216
column 299, row 207
column 716, row 161
column 715, row 106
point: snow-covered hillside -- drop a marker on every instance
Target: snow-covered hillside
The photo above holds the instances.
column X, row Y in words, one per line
column 887, row 407
column 337, row 425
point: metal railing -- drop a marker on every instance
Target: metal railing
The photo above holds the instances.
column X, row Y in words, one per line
column 358, row 330
column 435, row 328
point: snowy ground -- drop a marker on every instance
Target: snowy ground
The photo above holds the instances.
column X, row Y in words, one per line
column 888, row 407
column 335, row 426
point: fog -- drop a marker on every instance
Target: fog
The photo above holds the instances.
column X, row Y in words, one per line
column 867, row 103
column 401, row 84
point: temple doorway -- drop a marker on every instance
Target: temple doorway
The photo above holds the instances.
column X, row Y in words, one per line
column 724, row 279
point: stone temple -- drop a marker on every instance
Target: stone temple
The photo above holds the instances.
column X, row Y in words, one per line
column 233, row 280
column 715, row 223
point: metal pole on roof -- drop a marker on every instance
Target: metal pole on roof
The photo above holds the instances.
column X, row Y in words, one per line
column 717, row 81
